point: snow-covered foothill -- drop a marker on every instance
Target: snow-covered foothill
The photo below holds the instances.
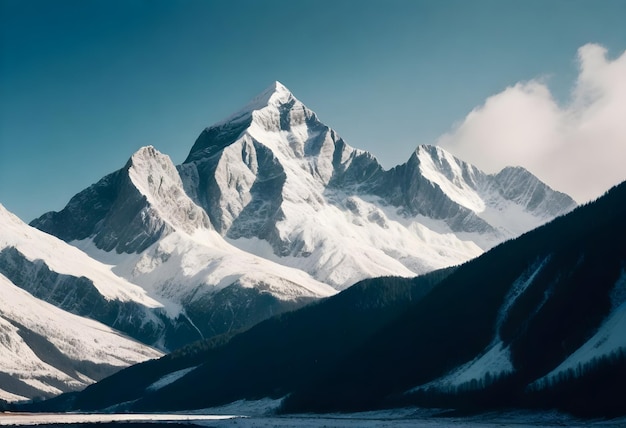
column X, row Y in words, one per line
column 46, row 350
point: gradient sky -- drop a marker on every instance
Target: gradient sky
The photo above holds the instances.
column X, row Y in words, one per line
column 85, row 83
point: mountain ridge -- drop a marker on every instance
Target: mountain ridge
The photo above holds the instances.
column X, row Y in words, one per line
column 473, row 338
column 169, row 248
column 279, row 162
column 274, row 188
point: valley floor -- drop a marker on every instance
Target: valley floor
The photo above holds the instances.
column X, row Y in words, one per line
column 393, row 418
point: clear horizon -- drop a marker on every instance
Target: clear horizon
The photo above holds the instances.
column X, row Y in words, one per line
column 85, row 84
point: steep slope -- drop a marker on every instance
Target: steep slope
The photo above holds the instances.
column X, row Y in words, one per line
column 130, row 209
column 156, row 237
column 61, row 274
column 45, row 351
column 270, row 359
column 486, row 208
column 536, row 321
column 500, row 329
column 279, row 183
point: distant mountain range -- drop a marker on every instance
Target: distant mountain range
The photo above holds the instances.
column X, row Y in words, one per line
column 539, row 321
column 270, row 211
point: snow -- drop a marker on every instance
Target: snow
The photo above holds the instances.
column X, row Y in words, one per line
column 235, row 177
column 342, row 245
column 17, row 419
column 340, row 236
column 618, row 293
column 491, row 363
column 199, row 255
column 154, row 175
column 517, row 289
column 181, row 265
column 274, row 94
column 66, row 259
column 473, row 189
column 192, row 259
column 336, row 245
column 610, row 338
column 495, row 360
column 248, row 408
column 78, row 338
column 8, row 397
column 509, row 218
column 169, row 378
column 455, row 187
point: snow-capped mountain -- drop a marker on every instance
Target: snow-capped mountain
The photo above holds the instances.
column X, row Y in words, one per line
column 538, row 321
column 272, row 209
column 140, row 221
column 45, row 350
column 489, row 208
column 279, row 183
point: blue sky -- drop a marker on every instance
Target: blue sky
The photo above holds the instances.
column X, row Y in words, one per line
column 85, row 83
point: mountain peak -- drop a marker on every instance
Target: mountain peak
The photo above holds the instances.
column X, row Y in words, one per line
column 144, row 154
column 440, row 159
column 278, row 89
column 146, row 151
column 154, row 175
column 274, row 95
column 430, row 150
column 274, row 109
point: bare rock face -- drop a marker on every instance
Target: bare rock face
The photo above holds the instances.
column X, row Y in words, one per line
column 121, row 211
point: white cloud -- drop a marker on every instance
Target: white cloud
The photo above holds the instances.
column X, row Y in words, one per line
column 579, row 148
